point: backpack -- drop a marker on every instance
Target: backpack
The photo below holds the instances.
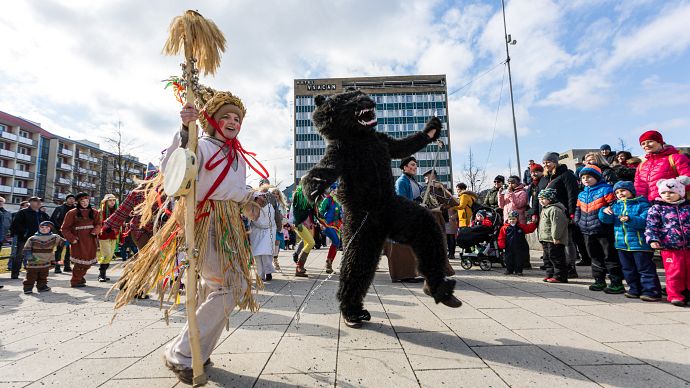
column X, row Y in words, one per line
column 476, row 206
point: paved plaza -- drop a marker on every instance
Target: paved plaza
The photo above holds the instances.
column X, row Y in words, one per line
column 510, row 332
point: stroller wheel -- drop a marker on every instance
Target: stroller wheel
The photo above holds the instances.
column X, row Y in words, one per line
column 466, row 263
column 485, row 265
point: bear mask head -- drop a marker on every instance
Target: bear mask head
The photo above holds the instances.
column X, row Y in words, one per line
column 343, row 115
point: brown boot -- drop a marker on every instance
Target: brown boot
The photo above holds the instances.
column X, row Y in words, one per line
column 329, row 266
column 276, row 264
column 300, row 271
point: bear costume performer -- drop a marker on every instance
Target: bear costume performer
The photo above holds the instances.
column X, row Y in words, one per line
column 360, row 158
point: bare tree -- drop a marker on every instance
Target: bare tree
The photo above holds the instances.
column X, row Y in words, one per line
column 623, row 145
column 121, row 162
column 473, row 174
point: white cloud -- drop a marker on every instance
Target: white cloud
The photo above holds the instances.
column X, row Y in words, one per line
column 663, row 36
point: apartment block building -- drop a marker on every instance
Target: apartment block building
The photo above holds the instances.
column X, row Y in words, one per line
column 35, row 162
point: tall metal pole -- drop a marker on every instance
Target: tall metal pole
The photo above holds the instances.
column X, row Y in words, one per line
column 510, row 83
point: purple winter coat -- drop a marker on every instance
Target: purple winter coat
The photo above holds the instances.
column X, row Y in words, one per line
column 669, row 225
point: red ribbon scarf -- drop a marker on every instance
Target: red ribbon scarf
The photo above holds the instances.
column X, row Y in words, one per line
column 235, row 148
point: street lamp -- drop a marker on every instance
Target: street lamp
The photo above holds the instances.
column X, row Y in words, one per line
column 512, row 42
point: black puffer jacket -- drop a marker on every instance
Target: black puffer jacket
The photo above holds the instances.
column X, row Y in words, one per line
column 565, row 184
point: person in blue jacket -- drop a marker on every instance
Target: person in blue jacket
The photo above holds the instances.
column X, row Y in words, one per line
column 629, row 217
column 406, row 185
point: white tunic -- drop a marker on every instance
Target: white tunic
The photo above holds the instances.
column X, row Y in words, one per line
column 234, row 185
column 263, row 235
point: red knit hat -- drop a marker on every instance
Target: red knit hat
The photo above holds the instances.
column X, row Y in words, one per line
column 536, row 167
column 652, row 135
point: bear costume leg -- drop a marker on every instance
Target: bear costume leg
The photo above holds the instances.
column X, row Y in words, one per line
column 413, row 225
column 358, row 267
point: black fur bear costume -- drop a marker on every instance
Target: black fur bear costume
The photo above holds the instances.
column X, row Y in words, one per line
column 361, row 158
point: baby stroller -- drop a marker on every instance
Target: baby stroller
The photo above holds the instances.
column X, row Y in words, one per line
column 484, row 239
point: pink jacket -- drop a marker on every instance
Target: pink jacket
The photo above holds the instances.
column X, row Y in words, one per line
column 658, row 166
column 514, row 201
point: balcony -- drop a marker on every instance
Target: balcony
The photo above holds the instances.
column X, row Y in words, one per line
column 5, row 189
column 8, row 135
column 24, row 157
column 6, row 171
column 26, row 140
column 21, row 190
column 64, row 166
column 82, row 170
column 65, row 151
column 60, row 195
column 23, row 174
column 93, row 173
column 8, row 153
column 64, row 181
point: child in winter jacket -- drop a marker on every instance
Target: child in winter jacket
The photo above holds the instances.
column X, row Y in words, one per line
column 39, row 254
column 553, row 235
column 598, row 194
column 629, row 216
column 513, row 198
column 668, row 229
column 512, row 239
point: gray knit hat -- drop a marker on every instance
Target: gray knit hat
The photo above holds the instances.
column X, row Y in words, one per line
column 551, row 157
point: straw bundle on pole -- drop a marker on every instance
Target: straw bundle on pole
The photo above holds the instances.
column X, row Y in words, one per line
column 203, row 44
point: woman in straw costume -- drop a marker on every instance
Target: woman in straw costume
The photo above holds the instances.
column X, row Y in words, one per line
column 224, row 250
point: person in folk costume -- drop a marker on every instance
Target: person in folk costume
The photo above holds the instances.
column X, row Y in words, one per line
column 108, row 238
column 81, row 228
column 331, row 210
column 224, row 251
column 262, row 238
column 303, row 214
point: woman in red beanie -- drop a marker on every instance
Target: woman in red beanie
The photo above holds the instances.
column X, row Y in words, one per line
column 663, row 161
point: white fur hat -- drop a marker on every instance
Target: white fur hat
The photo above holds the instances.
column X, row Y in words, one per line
column 676, row 185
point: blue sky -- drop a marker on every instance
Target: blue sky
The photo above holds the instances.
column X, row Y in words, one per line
column 585, row 72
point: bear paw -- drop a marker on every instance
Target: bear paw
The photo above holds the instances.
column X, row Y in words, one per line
column 443, row 293
column 355, row 318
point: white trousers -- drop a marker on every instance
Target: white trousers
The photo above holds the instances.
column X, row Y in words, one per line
column 212, row 314
column 264, row 265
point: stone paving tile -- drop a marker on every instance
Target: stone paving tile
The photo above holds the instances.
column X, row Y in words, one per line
column 547, row 308
column 233, row 370
column 138, row 344
column 306, row 354
column 575, row 349
column 481, row 300
column 375, row 334
column 460, row 378
column 48, row 361
column 142, row 383
column 568, row 298
column 34, row 344
column 622, row 315
column 325, row 324
column 296, row 380
column 631, row 376
column 438, row 350
column 86, row 372
column 150, row 366
column 14, row 384
column 484, row 332
column 678, row 316
column 665, row 355
column 374, row 368
column 517, row 318
column 529, row 366
column 676, row 332
column 603, row 330
column 252, row 339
